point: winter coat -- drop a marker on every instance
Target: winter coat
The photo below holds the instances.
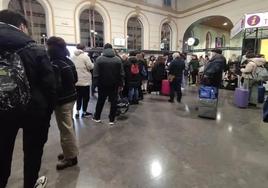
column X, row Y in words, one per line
column 134, row 80
column 66, row 91
column 177, row 67
column 213, row 71
column 108, row 70
column 159, row 72
column 249, row 71
column 194, row 65
column 83, row 65
column 38, row 68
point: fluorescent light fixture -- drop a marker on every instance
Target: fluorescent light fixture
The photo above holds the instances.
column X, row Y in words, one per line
column 225, row 23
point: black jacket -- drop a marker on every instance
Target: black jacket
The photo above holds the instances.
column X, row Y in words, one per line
column 133, row 80
column 213, row 72
column 177, row 67
column 159, row 72
column 39, row 70
column 67, row 77
column 108, row 70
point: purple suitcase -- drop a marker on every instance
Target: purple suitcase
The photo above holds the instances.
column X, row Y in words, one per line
column 241, row 97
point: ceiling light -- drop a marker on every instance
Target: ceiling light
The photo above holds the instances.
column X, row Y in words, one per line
column 92, row 31
column 225, row 24
column 96, row 33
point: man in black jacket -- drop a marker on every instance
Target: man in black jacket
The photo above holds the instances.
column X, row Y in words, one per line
column 213, row 71
column 108, row 75
column 176, row 69
column 35, row 119
column 66, row 98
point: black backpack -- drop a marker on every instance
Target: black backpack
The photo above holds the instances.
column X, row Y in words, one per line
column 14, row 85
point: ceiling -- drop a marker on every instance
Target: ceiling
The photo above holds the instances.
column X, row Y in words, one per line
column 217, row 22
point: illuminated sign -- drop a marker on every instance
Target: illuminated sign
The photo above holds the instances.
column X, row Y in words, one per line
column 256, row 20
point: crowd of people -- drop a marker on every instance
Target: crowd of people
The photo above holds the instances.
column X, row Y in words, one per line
column 57, row 82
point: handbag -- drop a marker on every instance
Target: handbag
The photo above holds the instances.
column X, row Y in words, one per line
column 171, row 77
column 265, row 111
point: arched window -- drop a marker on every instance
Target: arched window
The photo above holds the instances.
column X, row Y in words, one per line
column 35, row 14
column 223, row 41
column 91, row 28
column 166, row 37
column 208, row 40
column 134, row 34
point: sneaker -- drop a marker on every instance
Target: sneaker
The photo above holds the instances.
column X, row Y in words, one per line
column 111, row 123
column 86, row 114
column 65, row 163
column 41, row 182
column 60, row 157
column 96, row 120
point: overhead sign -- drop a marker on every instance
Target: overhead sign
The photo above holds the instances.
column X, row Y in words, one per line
column 256, row 20
column 119, row 41
column 238, row 27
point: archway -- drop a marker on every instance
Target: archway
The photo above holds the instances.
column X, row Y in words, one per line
column 166, row 37
column 210, row 31
column 134, row 34
column 35, row 13
column 91, row 28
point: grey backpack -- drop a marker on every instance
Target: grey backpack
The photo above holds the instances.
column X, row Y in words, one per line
column 14, row 86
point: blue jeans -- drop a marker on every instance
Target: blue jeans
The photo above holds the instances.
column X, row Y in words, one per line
column 133, row 94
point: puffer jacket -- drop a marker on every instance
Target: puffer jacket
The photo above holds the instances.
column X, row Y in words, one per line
column 213, row 72
column 249, row 71
column 38, row 68
column 108, row 70
column 83, row 67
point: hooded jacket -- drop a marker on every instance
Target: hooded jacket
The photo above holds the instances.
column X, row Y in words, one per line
column 177, row 67
column 38, row 69
column 108, row 70
column 83, row 67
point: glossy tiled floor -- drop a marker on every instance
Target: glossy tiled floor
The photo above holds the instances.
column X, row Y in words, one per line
column 163, row 145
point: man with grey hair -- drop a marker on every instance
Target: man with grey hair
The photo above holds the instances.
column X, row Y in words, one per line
column 176, row 69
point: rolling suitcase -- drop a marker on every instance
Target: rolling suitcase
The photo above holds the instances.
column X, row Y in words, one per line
column 241, row 97
column 165, row 90
column 261, row 94
column 208, row 108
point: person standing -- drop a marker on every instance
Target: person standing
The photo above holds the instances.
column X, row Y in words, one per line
column 108, row 75
column 176, row 69
column 133, row 75
column 213, row 71
column 159, row 73
column 33, row 117
column 67, row 96
column 194, row 67
column 83, row 66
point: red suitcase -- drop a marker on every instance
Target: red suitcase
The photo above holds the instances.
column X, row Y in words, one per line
column 165, row 90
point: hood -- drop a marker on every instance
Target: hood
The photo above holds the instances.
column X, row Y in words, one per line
column 78, row 52
column 12, row 38
column 259, row 61
column 108, row 52
column 132, row 59
column 218, row 57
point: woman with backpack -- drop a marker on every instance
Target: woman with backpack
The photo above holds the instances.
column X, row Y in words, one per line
column 134, row 78
column 66, row 92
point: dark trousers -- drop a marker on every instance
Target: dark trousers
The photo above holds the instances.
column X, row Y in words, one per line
column 194, row 74
column 82, row 97
column 175, row 87
column 35, row 132
column 103, row 93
